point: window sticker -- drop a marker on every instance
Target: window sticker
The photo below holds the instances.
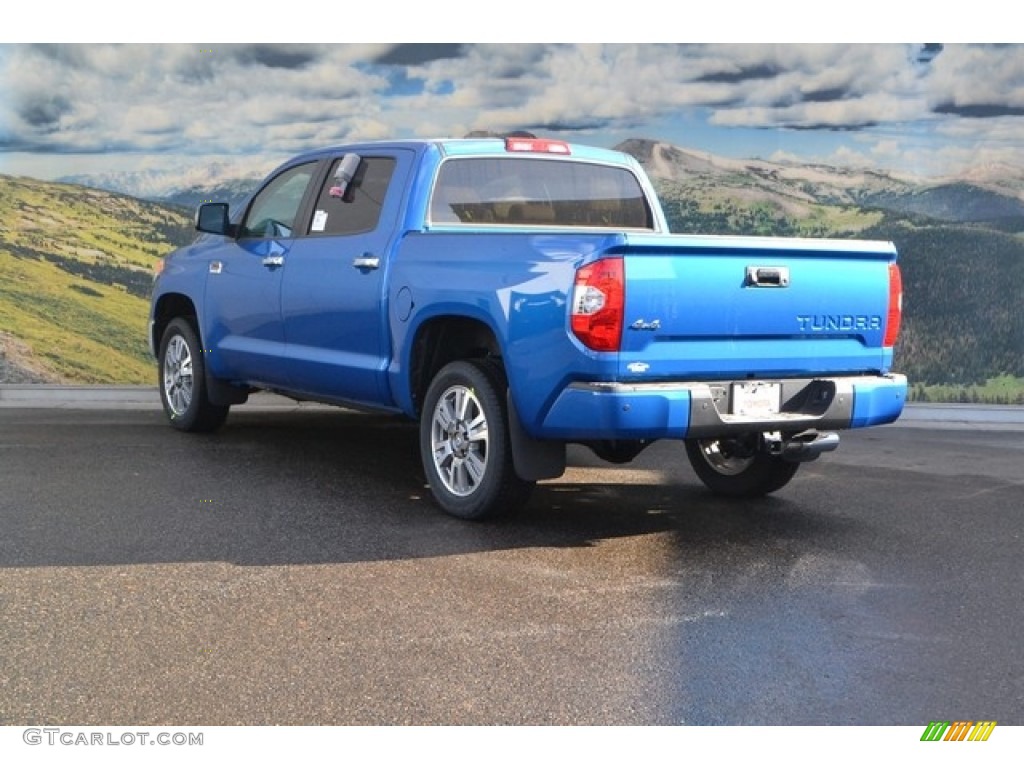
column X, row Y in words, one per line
column 319, row 221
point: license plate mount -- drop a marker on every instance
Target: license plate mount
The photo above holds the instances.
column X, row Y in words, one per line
column 756, row 398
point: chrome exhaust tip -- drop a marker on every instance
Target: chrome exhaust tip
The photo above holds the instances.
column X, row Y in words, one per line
column 807, row 446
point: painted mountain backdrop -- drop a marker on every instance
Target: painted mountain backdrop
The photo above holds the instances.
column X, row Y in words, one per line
column 961, row 245
column 76, row 260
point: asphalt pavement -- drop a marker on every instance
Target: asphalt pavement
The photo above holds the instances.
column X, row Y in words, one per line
column 291, row 569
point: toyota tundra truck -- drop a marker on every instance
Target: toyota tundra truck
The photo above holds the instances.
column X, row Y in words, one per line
column 514, row 295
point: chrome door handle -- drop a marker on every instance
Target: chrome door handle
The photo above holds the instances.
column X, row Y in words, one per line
column 366, row 261
column 273, row 261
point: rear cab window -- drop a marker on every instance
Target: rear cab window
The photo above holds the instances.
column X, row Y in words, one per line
column 503, row 191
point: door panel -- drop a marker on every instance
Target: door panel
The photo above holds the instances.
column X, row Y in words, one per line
column 332, row 298
column 242, row 318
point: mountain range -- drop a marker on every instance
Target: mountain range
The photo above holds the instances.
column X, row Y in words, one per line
column 993, row 194
column 225, row 182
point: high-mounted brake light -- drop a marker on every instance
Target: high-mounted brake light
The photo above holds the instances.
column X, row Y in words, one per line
column 598, row 300
column 548, row 146
column 895, row 315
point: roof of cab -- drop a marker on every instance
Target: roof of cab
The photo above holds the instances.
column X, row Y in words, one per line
column 465, row 146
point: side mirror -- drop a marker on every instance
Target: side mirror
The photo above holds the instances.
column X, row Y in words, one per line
column 213, row 218
column 341, row 185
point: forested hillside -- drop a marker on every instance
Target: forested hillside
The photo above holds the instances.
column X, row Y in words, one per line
column 963, row 278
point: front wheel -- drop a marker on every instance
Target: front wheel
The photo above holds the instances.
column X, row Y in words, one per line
column 465, row 445
column 739, row 466
column 183, row 381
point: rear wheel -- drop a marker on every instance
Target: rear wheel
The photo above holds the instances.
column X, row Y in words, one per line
column 465, row 445
column 183, row 381
column 738, row 466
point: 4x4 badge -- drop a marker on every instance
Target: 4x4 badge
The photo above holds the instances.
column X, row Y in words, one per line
column 643, row 325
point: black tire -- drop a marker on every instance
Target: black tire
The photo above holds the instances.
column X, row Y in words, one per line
column 465, row 445
column 182, row 381
column 738, row 467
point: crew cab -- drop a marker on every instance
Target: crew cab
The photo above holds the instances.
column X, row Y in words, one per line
column 514, row 295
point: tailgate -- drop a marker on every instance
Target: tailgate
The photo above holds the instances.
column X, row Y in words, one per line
column 736, row 307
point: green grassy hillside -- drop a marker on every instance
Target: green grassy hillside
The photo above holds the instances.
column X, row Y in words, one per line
column 709, row 208
column 75, row 270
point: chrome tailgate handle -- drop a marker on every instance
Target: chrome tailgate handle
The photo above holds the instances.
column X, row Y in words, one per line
column 767, row 277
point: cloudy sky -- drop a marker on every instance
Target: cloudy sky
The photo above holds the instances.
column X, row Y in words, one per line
column 923, row 109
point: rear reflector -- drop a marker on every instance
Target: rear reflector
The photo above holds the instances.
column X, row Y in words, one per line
column 895, row 316
column 598, row 299
column 549, row 146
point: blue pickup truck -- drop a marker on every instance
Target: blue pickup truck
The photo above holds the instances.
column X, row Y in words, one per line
column 518, row 294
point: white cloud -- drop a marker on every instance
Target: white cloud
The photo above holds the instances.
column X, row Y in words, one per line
column 967, row 75
column 265, row 101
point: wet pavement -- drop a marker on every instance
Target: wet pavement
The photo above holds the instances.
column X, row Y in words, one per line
column 291, row 569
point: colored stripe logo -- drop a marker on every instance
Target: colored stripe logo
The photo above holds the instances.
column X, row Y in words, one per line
column 959, row 730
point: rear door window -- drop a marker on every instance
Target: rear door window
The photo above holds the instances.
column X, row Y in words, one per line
column 360, row 208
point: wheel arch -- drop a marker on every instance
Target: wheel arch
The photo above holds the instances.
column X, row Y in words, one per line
column 447, row 338
column 442, row 340
column 168, row 307
column 173, row 305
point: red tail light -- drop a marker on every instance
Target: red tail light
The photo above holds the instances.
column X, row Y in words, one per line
column 598, row 298
column 895, row 316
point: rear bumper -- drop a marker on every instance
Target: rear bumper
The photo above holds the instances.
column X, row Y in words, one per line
column 598, row 411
